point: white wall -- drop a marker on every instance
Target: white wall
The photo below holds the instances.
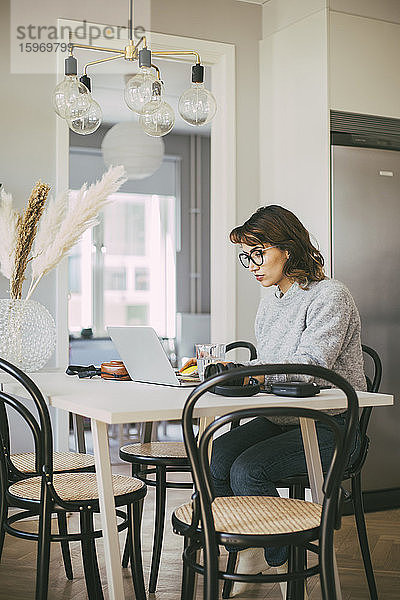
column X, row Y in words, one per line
column 294, row 143
column 240, row 24
column 28, row 123
column 364, row 65
column 27, row 148
column 384, row 10
column 319, row 55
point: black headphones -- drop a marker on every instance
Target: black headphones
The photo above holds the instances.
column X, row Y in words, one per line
column 235, row 386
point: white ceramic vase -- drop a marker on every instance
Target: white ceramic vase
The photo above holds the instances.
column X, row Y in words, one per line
column 27, row 334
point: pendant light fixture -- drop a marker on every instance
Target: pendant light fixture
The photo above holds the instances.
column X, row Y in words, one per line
column 126, row 144
column 73, row 101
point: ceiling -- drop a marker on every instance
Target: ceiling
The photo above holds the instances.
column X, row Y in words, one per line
column 108, row 82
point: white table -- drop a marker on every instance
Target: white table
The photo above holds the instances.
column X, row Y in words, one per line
column 116, row 402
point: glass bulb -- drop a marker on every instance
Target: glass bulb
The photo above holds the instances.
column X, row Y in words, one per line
column 156, row 98
column 139, row 89
column 71, row 98
column 89, row 122
column 159, row 122
column 197, row 106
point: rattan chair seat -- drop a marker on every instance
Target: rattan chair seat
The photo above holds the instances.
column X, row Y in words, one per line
column 74, row 487
column 259, row 515
column 62, row 461
column 157, row 449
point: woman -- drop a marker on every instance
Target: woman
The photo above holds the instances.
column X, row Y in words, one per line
column 308, row 319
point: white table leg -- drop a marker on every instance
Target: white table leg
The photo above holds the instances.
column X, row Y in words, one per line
column 315, row 475
column 107, row 510
column 313, row 459
column 61, row 429
column 204, row 422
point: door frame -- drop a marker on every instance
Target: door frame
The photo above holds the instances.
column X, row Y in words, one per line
column 221, row 57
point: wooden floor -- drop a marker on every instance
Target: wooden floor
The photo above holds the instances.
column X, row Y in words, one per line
column 17, row 569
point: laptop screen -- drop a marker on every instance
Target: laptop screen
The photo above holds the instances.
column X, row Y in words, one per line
column 143, row 354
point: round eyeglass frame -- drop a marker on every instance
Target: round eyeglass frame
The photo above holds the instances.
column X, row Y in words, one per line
column 246, row 258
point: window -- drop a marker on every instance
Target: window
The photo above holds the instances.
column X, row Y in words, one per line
column 142, row 278
column 137, row 314
column 115, row 278
column 123, row 271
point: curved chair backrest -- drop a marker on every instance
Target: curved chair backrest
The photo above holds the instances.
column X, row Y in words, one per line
column 199, row 452
column 253, row 355
column 372, row 386
column 40, row 426
column 241, row 344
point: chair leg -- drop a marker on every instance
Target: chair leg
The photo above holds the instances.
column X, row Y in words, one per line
column 230, row 569
column 127, row 550
column 62, row 528
column 299, row 564
column 43, row 549
column 3, row 516
column 328, row 581
column 297, row 491
column 210, row 570
column 161, row 489
column 188, row 578
column 356, row 494
column 288, row 589
column 89, row 557
column 297, row 556
column 134, row 532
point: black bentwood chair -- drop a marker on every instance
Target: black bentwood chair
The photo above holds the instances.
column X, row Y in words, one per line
column 298, row 483
column 22, row 466
column 160, row 458
column 259, row 521
column 45, row 492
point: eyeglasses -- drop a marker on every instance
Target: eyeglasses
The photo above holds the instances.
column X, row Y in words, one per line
column 256, row 256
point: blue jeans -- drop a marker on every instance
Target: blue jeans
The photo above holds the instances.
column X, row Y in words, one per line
column 247, row 461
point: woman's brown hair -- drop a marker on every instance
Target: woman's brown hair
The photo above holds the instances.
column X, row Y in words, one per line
column 279, row 227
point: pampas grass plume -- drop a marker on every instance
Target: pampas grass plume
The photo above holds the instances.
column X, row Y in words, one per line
column 59, row 233
column 9, row 219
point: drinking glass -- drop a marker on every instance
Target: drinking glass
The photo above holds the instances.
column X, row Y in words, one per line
column 206, row 354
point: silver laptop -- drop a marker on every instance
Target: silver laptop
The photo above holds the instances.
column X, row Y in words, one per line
column 144, row 357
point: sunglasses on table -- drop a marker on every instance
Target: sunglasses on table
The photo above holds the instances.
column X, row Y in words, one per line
column 256, row 256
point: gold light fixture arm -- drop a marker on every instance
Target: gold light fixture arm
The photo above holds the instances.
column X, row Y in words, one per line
column 142, row 39
column 101, row 60
column 157, row 71
column 114, row 50
column 177, row 53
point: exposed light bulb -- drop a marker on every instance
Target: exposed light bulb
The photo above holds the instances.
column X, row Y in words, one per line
column 139, row 90
column 197, row 105
column 89, row 122
column 156, row 98
column 71, row 98
column 160, row 122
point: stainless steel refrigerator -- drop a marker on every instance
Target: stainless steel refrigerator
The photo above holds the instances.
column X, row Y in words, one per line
column 366, row 257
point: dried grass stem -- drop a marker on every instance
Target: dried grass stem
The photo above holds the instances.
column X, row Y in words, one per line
column 27, row 228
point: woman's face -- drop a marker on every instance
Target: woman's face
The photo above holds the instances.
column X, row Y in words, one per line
column 271, row 271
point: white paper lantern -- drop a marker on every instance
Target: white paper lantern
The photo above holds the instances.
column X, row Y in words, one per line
column 127, row 144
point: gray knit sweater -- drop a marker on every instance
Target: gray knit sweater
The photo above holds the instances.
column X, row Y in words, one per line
column 319, row 326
